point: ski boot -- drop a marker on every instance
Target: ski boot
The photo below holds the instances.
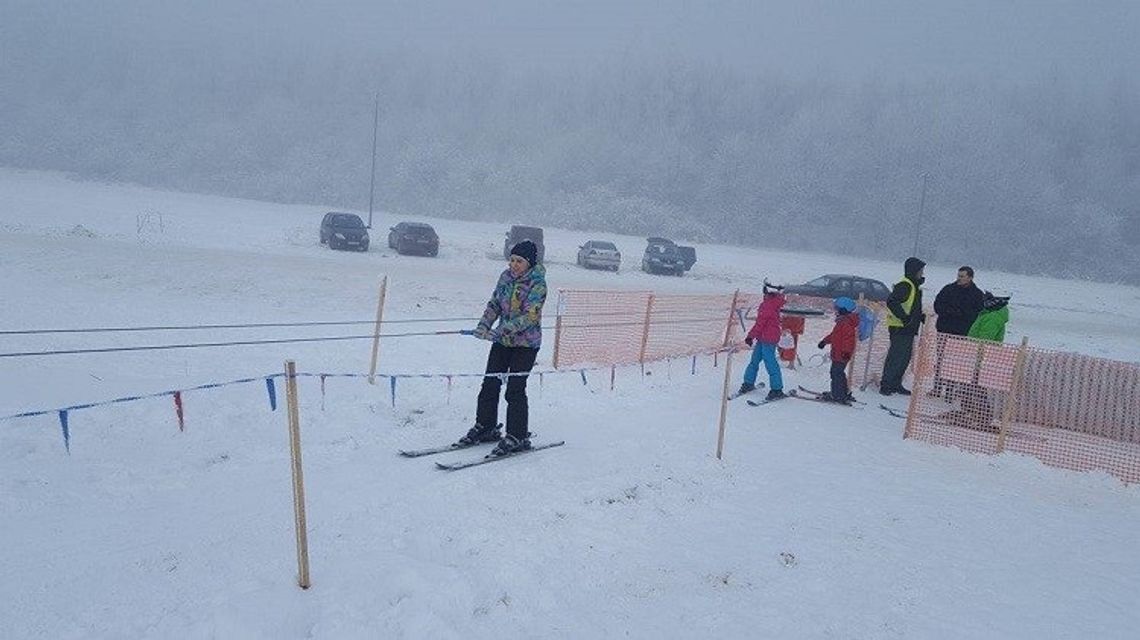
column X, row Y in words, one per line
column 510, row 444
column 479, row 433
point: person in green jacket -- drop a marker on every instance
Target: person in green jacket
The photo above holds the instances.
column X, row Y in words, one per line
column 977, row 410
column 990, row 323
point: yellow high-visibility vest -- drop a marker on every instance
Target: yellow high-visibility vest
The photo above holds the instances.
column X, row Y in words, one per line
column 892, row 321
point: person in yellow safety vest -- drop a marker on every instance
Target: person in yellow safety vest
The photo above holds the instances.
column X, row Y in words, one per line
column 904, row 317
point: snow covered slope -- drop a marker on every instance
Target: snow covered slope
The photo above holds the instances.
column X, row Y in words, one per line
column 820, row 521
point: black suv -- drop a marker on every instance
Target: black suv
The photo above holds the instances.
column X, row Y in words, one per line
column 834, row 285
column 414, row 237
column 344, row 230
column 662, row 256
column 518, row 233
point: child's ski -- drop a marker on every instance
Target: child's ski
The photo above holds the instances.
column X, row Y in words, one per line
column 898, row 413
column 736, row 394
column 455, row 446
column 456, row 466
column 817, row 395
column 760, row 403
column 800, row 395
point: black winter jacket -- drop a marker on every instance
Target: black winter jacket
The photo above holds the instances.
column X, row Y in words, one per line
column 957, row 308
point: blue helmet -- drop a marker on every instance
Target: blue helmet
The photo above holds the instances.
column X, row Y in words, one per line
column 845, row 304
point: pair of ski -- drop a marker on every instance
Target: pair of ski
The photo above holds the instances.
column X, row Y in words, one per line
column 455, row 466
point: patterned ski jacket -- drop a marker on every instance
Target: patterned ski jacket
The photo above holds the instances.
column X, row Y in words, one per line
column 517, row 305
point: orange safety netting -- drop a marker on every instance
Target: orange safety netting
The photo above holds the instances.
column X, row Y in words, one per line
column 626, row 327
column 1068, row 410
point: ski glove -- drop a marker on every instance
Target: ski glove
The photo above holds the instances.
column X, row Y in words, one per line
column 748, row 340
column 822, row 344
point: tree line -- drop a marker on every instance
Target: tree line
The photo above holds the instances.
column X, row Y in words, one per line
column 1041, row 176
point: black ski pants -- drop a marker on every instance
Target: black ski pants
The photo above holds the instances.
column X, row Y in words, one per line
column 898, row 358
column 506, row 360
column 839, row 388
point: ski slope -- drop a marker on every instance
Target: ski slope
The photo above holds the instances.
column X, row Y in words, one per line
column 819, row 521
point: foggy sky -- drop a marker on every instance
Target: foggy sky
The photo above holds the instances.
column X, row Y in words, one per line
column 1008, row 40
column 713, row 121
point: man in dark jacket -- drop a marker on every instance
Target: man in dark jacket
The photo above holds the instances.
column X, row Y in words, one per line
column 904, row 317
column 957, row 305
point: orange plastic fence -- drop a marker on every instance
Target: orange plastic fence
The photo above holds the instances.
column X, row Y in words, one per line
column 1068, row 410
column 625, row 327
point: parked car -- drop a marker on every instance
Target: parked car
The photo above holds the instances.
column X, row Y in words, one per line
column 599, row 254
column 413, row 237
column 688, row 254
column 662, row 256
column 834, row 285
column 344, row 231
column 518, row 233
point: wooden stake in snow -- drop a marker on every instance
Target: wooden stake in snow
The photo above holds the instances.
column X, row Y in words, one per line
column 376, row 332
column 645, row 330
column 723, row 403
column 298, row 475
column 1012, row 395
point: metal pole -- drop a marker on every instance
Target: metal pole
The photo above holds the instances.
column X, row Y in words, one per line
column 921, row 208
column 372, row 175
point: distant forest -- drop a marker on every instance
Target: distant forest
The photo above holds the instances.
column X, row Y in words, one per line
column 1041, row 177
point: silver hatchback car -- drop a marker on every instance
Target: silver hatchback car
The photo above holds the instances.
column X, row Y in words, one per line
column 599, row 254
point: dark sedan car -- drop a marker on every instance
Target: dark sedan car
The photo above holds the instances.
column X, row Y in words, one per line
column 414, row 237
column 344, row 231
column 834, row 285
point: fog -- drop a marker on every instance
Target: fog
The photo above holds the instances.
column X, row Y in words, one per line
column 793, row 124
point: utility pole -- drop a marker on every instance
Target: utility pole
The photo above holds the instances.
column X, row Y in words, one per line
column 372, row 175
column 921, row 209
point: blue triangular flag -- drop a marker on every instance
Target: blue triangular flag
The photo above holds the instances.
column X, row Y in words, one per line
column 66, row 434
column 272, row 393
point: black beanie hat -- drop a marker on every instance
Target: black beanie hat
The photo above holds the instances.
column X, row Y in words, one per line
column 526, row 249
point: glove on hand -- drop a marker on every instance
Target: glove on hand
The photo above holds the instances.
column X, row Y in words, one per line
column 748, row 340
column 822, row 344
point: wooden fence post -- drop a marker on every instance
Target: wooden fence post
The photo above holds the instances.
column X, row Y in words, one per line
column 558, row 327
column 1014, row 390
column 645, row 331
column 376, row 331
column 723, row 404
column 851, row 362
column 731, row 317
column 298, row 475
column 916, row 385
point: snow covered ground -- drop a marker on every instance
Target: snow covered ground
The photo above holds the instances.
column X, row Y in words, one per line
column 819, row 521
